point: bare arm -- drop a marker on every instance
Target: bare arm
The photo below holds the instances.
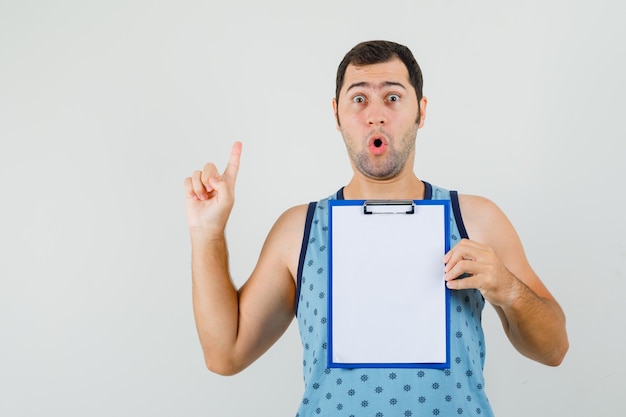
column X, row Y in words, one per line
column 531, row 317
column 236, row 326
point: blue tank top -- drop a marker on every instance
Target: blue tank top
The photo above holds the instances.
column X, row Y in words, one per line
column 386, row 392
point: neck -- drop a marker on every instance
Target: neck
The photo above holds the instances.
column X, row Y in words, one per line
column 404, row 187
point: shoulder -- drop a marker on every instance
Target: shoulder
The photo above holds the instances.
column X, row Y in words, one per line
column 288, row 230
column 284, row 240
column 477, row 207
column 289, row 227
column 292, row 218
column 484, row 220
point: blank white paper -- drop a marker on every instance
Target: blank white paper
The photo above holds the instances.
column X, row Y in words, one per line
column 388, row 295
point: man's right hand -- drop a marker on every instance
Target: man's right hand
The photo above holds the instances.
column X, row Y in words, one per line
column 209, row 196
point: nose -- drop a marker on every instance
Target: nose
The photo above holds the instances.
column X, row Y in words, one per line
column 376, row 115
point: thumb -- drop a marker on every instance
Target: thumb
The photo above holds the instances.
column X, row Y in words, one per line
column 223, row 189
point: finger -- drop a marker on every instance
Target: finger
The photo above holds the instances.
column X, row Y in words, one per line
column 188, row 185
column 233, row 162
column 198, row 186
column 473, row 246
column 456, row 255
column 463, row 284
column 462, row 269
column 209, row 171
column 466, row 249
column 457, row 248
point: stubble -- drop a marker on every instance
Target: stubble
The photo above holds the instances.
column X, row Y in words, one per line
column 385, row 166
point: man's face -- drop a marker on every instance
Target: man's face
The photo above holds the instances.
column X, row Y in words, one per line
column 377, row 116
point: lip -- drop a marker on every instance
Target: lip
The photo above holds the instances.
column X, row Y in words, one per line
column 377, row 144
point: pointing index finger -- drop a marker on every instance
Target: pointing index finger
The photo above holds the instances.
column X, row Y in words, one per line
column 233, row 162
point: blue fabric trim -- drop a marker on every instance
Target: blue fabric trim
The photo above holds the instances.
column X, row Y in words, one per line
column 305, row 240
column 428, row 191
column 456, row 209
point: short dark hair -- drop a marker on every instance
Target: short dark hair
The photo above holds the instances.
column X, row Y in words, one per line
column 376, row 52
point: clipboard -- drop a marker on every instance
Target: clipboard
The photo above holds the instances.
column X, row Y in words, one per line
column 388, row 304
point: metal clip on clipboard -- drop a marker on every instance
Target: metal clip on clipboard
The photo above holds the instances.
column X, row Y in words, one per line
column 388, row 207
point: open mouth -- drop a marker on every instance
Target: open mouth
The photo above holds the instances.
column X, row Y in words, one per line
column 377, row 145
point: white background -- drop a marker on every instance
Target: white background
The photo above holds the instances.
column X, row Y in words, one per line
column 106, row 106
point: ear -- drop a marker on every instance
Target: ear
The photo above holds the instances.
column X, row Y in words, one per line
column 423, row 103
column 335, row 112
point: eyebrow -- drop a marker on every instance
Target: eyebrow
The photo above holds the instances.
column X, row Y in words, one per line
column 369, row 85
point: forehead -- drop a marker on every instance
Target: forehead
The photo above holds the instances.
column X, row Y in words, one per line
column 375, row 75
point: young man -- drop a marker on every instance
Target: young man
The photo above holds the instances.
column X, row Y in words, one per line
column 378, row 109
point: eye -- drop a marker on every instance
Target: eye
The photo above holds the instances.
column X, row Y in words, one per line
column 358, row 99
column 393, row 97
